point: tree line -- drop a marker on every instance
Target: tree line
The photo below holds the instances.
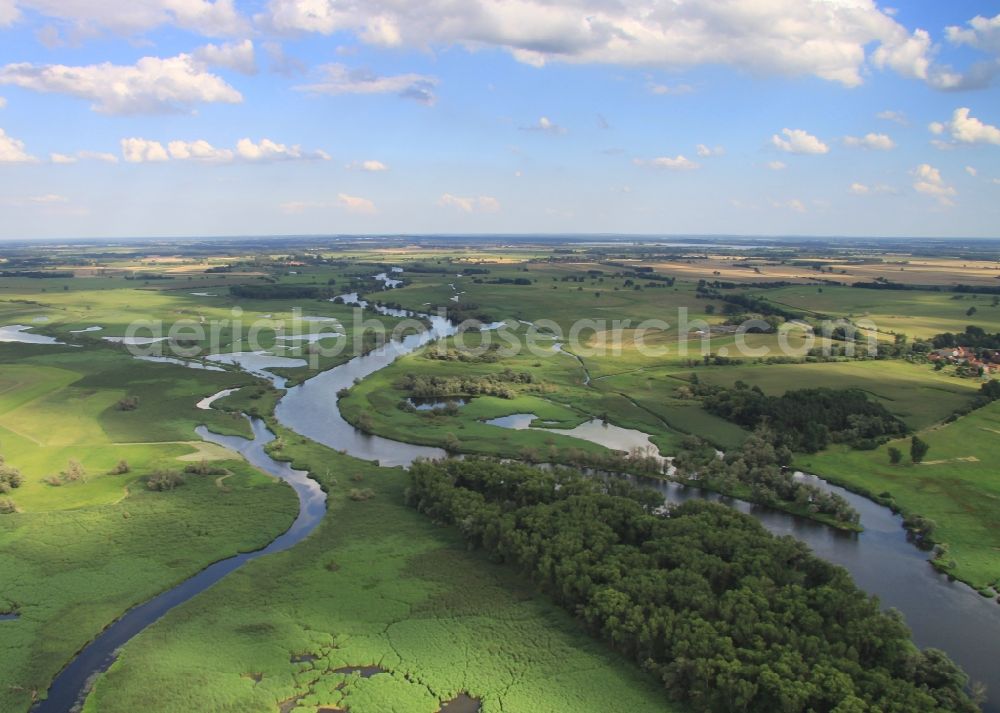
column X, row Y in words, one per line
column 806, row 420
column 727, row 616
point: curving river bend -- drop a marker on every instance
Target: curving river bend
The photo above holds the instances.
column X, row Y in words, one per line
column 943, row 614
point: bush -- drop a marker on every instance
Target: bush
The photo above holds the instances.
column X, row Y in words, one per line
column 163, row 480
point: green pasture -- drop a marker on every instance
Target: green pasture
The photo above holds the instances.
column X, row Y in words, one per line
column 957, row 486
column 376, row 585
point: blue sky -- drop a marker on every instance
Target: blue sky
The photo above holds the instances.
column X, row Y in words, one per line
column 214, row 117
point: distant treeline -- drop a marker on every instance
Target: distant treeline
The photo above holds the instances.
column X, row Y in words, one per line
column 748, row 303
column 807, row 420
column 36, row 274
column 726, row 615
column 962, row 289
column 973, row 337
column 280, row 292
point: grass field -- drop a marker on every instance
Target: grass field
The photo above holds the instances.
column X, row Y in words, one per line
column 917, row 314
column 559, row 395
column 376, row 585
column 915, row 393
column 956, row 486
column 79, row 554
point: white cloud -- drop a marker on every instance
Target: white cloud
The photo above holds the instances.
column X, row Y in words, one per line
column 546, row 126
column 876, row 142
column 824, row 38
column 83, row 155
column 799, row 141
column 777, row 165
column 907, row 55
column 199, row 150
column 927, row 180
column 237, row 56
column 9, row 14
column 370, row 166
column 859, row 189
column 339, row 79
column 706, row 151
column 268, row 150
column 152, row 85
column 97, row 156
column 135, row 16
column 3, row 103
column 675, row 163
column 965, row 129
column 982, row 33
column 136, row 150
column 474, row 204
column 356, row 204
column 13, row 151
column 971, row 171
column 891, row 115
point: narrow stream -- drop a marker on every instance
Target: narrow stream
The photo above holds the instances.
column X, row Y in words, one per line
column 70, row 686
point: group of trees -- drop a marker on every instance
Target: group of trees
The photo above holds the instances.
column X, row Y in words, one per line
column 726, row 615
column 973, row 337
column 280, row 292
column 10, row 478
column 760, row 466
column 489, row 355
column 162, row 480
column 420, row 385
column 807, row 420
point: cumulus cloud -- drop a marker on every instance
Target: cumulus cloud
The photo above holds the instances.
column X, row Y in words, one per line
column 339, row 79
column 777, row 165
column 370, row 166
column 204, row 17
column 138, row 150
column 799, row 141
column 928, row 180
column 788, row 37
column 356, row 204
column 966, row 129
column 473, row 204
column 199, row 150
column 13, row 151
column 875, row 142
column 707, row 151
column 971, row 171
column 675, row 163
column 859, row 189
column 63, row 158
column 983, row 33
column 546, row 126
column 237, row 56
column 153, row 85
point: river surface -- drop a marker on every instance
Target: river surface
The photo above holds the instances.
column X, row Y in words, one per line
column 942, row 614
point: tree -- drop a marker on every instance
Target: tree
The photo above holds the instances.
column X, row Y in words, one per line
column 969, row 312
column 918, row 449
column 895, row 455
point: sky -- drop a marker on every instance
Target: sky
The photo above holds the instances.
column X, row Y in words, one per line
column 749, row 117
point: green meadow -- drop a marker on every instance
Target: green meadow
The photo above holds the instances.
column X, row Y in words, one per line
column 377, row 585
column 80, row 551
column 956, row 486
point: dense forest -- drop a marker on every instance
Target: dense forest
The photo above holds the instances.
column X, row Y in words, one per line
column 807, row 420
column 726, row 615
